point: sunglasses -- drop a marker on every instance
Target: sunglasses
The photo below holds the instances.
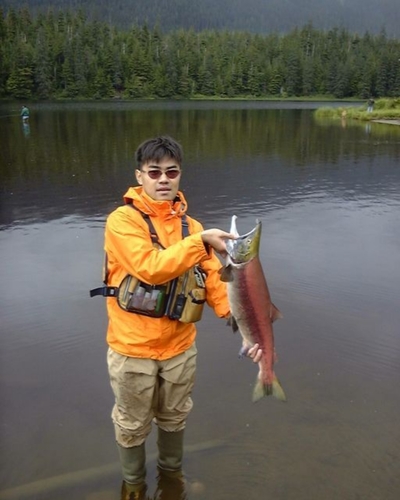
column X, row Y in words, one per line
column 156, row 174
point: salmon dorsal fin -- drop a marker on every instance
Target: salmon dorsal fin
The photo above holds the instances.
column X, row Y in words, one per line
column 226, row 274
column 275, row 313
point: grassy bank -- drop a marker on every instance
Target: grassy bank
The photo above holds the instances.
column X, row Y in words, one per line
column 384, row 109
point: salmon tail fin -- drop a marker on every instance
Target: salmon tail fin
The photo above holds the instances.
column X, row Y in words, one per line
column 260, row 390
column 275, row 389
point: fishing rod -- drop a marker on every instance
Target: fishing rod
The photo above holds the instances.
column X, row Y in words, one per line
column 5, row 116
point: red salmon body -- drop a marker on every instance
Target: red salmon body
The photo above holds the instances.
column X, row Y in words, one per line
column 252, row 310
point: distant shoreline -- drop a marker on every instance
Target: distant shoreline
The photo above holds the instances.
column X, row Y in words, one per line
column 387, row 122
column 383, row 110
column 198, row 98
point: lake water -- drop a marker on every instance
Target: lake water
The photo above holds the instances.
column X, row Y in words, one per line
column 328, row 195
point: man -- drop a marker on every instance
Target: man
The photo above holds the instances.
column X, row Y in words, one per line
column 152, row 360
column 24, row 113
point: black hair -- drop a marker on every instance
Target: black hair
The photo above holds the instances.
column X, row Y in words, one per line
column 158, row 148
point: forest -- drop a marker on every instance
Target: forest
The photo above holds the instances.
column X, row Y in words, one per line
column 64, row 54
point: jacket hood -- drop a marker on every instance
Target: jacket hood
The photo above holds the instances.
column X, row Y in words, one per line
column 164, row 208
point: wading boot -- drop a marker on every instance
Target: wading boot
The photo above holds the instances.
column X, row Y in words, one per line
column 170, row 450
column 170, row 480
column 133, row 463
column 133, row 491
column 171, row 485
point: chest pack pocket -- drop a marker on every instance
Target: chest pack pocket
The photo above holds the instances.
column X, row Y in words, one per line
column 140, row 298
column 180, row 299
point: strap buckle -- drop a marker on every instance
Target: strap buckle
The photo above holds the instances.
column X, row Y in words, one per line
column 105, row 291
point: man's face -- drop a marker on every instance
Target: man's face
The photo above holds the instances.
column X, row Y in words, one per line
column 160, row 180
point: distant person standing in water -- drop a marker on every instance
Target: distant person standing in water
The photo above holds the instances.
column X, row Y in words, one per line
column 370, row 105
column 24, row 113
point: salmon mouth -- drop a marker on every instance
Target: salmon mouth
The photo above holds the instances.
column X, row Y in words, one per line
column 245, row 247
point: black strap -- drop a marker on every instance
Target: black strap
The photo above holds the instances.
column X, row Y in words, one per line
column 105, row 291
column 185, row 226
column 153, row 232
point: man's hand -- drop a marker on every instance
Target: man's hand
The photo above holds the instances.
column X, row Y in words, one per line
column 255, row 353
column 216, row 238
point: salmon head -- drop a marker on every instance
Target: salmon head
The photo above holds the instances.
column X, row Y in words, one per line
column 245, row 247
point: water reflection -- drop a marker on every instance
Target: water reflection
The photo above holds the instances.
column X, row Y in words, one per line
column 329, row 200
column 84, row 157
column 26, row 128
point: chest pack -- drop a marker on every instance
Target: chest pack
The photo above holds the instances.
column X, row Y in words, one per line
column 180, row 299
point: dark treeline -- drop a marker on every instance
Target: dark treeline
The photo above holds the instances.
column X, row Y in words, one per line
column 65, row 55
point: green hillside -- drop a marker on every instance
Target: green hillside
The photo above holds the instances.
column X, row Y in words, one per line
column 66, row 55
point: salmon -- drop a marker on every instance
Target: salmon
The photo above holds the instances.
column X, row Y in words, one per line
column 252, row 311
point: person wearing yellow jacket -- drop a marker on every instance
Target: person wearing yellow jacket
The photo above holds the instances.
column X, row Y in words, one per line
column 152, row 360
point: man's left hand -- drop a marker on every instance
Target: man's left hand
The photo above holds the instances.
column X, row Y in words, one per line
column 255, row 353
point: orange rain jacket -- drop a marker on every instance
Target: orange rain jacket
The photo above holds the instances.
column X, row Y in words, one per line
column 130, row 251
